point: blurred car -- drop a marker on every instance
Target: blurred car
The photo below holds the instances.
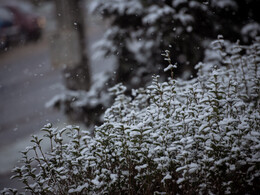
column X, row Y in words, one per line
column 30, row 24
column 19, row 25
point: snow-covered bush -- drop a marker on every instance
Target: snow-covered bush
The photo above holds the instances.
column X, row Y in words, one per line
column 178, row 137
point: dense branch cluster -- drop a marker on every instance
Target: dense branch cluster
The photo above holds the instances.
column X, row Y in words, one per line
column 178, row 137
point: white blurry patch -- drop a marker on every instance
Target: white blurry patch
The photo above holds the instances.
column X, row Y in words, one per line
column 250, row 30
column 224, row 4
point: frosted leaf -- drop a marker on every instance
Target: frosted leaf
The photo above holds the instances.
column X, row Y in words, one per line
column 49, row 125
column 139, row 168
column 78, row 189
column 180, row 180
column 117, row 89
column 113, row 177
column 169, row 67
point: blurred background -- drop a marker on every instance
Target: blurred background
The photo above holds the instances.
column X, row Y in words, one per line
column 59, row 57
column 30, row 75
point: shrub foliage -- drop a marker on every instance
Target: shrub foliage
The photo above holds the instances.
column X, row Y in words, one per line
column 178, row 137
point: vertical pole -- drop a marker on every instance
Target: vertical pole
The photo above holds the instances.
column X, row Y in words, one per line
column 70, row 18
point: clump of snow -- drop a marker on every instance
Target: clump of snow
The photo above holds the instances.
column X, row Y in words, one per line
column 170, row 67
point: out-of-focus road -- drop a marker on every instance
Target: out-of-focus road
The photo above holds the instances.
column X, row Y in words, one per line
column 27, row 82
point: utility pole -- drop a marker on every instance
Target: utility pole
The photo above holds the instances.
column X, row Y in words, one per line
column 68, row 48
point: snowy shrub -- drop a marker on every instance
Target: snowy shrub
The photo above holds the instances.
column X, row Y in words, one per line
column 178, row 137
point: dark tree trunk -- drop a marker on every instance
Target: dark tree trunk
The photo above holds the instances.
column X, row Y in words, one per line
column 70, row 19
